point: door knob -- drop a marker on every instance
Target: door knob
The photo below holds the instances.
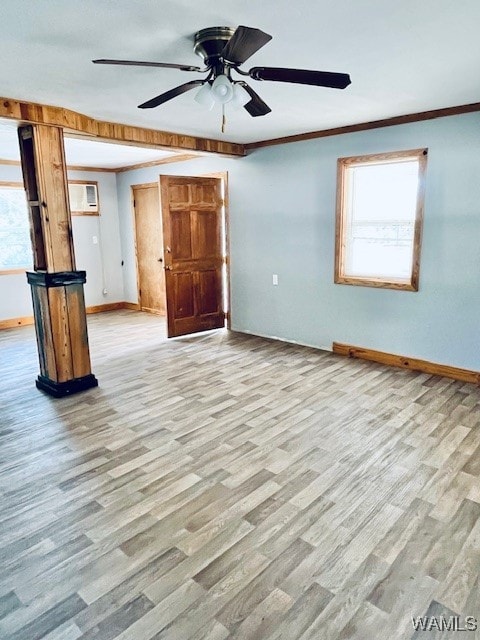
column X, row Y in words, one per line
column 167, row 268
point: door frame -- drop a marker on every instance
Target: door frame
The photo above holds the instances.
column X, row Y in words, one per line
column 142, row 185
column 223, row 176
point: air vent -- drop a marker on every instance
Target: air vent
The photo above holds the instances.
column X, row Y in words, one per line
column 83, row 198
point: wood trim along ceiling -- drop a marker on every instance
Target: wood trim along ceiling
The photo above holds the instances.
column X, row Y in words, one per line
column 17, row 163
column 414, row 364
column 179, row 157
column 32, row 113
column 80, row 126
column 98, row 169
column 365, row 126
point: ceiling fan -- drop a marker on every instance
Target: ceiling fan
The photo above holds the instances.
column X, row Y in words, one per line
column 223, row 50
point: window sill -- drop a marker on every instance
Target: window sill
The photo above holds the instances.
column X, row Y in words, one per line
column 10, row 272
column 378, row 283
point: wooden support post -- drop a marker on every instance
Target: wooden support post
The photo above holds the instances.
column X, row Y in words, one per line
column 57, row 288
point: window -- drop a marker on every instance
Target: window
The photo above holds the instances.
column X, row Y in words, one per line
column 379, row 219
column 15, row 244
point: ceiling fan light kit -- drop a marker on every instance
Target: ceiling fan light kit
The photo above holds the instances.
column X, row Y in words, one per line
column 222, row 89
column 204, row 96
column 240, row 96
column 223, row 50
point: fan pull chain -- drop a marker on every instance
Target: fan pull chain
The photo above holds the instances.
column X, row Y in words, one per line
column 224, row 120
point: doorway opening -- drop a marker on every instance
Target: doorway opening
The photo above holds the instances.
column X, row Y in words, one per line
column 181, row 246
column 149, row 248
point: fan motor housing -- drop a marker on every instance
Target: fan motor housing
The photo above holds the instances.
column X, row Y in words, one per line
column 209, row 43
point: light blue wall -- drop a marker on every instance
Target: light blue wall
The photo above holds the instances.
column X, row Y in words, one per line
column 282, row 220
column 285, row 224
column 125, row 180
column 102, row 261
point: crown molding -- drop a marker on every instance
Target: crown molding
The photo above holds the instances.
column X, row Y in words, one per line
column 179, row 157
column 365, row 126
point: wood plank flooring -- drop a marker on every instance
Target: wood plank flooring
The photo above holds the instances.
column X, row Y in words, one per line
column 226, row 486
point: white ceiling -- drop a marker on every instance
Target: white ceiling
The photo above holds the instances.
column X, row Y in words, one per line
column 403, row 57
column 84, row 153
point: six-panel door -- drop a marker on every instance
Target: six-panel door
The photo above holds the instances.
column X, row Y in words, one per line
column 192, row 233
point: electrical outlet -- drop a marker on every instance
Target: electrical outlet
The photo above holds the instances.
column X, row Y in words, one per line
column 95, row 240
column 275, row 280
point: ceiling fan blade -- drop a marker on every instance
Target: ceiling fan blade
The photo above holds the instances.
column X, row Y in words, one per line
column 168, row 95
column 256, row 106
column 244, row 43
column 136, row 63
column 301, row 76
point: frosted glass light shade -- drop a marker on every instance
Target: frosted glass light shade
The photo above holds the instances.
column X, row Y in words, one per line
column 240, row 96
column 222, row 89
column 205, row 97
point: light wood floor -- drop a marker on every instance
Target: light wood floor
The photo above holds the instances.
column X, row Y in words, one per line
column 227, row 486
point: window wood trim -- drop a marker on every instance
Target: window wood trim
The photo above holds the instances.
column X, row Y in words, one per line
column 12, row 272
column 409, row 284
column 86, row 213
column 11, row 185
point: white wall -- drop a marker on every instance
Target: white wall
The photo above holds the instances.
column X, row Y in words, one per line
column 15, row 298
column 282, row 220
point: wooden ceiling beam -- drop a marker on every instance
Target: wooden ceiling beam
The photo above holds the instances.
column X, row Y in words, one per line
column 32, row 113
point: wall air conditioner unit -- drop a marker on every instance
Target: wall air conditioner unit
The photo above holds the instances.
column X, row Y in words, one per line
column 83, row 198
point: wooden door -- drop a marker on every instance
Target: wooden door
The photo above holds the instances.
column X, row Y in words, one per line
column 193, row 248
column 149, row 247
